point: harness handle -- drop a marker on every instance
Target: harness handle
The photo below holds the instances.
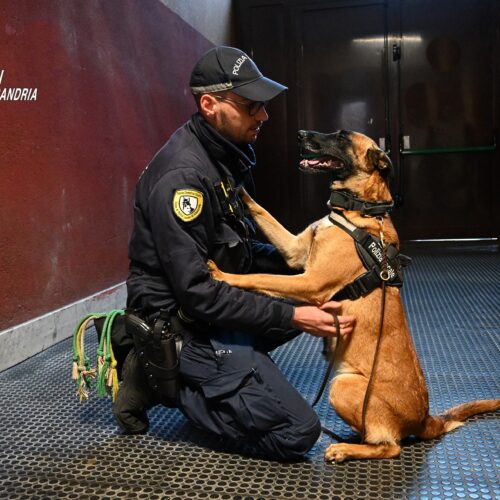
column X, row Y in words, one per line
column 384, row 271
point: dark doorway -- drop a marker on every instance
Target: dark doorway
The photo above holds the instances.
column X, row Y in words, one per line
column 418, row 76
column 446, row 132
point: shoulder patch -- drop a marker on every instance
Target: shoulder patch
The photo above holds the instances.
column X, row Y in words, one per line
column 188, row 204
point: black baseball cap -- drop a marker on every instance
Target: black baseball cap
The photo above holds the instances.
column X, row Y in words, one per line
column 227, row 68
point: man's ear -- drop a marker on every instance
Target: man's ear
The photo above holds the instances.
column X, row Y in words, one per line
column 208, row 106
column 380, row 161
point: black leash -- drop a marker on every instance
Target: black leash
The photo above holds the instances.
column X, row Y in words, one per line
column 330, row 362
column 325, row 381
column 384, row 276
column 372, row 374
column 328, row 372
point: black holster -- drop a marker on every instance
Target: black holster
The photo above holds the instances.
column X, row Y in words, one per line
column 158, row 352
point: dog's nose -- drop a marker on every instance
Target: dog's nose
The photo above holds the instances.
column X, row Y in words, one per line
column 301, row 134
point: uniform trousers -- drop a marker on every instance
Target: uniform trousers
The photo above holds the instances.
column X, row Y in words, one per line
column 231, row 387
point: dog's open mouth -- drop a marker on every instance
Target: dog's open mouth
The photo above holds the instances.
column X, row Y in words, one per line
column 321, row 164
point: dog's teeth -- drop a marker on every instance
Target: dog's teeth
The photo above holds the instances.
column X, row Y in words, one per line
column 321, row 163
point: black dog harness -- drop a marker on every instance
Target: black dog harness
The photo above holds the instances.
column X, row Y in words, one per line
column 372, row 254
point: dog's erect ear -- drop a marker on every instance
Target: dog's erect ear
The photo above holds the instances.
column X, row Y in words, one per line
column 379, row 160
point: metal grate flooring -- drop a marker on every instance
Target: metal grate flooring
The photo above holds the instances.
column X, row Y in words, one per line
column 51, row 446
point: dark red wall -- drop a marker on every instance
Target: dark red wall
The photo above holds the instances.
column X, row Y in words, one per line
column 112, row 86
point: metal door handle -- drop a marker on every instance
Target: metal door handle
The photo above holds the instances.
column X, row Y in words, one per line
column 435, row 151
column 406, row 151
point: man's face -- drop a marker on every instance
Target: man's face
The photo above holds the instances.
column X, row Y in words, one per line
column 233, row 120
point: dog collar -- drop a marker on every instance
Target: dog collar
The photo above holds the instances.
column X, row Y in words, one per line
column 348, row 201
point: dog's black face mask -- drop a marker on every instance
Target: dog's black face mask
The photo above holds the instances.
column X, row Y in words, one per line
column 339, row 153
column 326, row 153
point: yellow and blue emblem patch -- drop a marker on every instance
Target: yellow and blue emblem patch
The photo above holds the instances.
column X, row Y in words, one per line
column 188, row 204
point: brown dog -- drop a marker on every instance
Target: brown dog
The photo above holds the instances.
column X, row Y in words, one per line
column 398, row 404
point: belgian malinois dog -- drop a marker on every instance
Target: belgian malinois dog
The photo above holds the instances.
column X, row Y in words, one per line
column 398, row 404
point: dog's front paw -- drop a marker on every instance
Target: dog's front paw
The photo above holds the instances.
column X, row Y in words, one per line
column 337, row 452
column 252, row 207
column 215, row 272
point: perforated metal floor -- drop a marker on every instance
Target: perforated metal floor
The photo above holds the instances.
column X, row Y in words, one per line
column 51, row 446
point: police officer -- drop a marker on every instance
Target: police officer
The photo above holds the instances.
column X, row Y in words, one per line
column 187, row 211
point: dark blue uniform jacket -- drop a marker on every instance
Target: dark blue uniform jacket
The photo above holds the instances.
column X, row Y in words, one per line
column 168, row 254
column 229, row 384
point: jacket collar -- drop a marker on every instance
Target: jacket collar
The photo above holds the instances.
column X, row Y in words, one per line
column 238, row 160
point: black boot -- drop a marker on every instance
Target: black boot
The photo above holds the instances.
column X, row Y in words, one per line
column 134, row 398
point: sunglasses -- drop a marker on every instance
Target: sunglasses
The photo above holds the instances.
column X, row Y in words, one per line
column 252, row 107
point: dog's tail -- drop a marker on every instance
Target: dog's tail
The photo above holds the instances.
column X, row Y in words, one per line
column 454, row 417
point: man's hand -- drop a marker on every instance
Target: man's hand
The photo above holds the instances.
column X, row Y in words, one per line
column 318, row 321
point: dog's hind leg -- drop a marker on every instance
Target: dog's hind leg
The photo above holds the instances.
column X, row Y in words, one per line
column 339, row 452
column 382, row 428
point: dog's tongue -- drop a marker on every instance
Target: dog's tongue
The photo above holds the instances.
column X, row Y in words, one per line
column 312, row 163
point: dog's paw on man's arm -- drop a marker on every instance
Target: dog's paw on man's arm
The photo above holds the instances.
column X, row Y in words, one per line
column 215, row 272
